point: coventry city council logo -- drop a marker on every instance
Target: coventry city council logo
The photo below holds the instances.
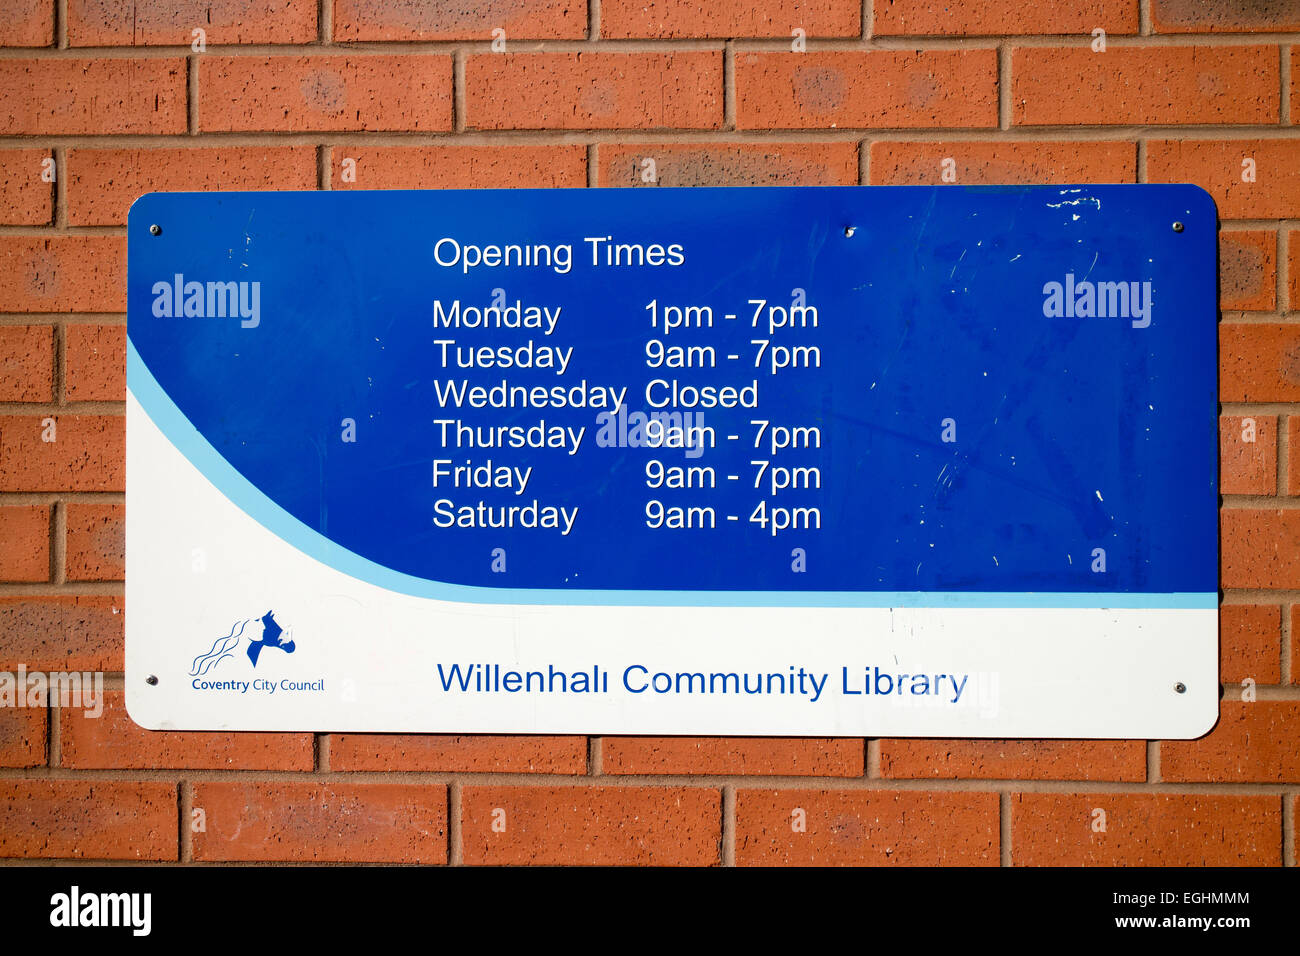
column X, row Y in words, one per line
column 271, row 636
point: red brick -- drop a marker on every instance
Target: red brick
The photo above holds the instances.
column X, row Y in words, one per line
column 303, row 93
column 1252, row 743
column 660, row 826
column 1248, row 270
column 1001, row 17
column 1295, row 79
column 96, row 543
column 459, row 167
column 594, row 90
column 1293, row 455
column 322, row 822
column 1293, row 270
column 1259, row 362
column 62, row 273
column 866, row 828
column 168, row 22
column 689, row 19
column 25, row 543
column 438, row 20
column 113, row 741
column 25, row 198
column 1247, row 467
column 769, row 756
column 23, row 736
column 88, row 820
column 1156, row 829
column 1250, row 643
column 730, row 164
column 1161, row 84
column 50, row 99
column 866, row 88
column 70, row 97
column 1295, row 644
column 102, row 183
column 27, row 23
column 66, row 632
column 86, row 455
column 446, row 753
column 896, row 163
column 96, row 363
column 1218, row 167
column 26, row 363
column 1224, row 16
column 1014, row 759
column 1260, row 548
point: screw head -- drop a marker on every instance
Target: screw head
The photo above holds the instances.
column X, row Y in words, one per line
column 155, row 230
column 151, row 680
column 1180, row 688
column 1178, row 227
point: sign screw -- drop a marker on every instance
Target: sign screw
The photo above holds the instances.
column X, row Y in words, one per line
column 1178, row 227
column 151, row 680
column 850, row 230
column 1180, row 688
column 155, row 230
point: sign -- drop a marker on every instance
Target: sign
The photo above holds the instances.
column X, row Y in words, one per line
column 807, row 461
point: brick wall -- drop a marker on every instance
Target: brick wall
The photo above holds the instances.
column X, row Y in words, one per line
column 114, row 101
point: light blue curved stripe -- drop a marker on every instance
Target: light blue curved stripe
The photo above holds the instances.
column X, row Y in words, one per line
column 248, row 498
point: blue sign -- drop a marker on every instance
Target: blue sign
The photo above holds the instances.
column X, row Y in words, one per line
column 839, row 397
